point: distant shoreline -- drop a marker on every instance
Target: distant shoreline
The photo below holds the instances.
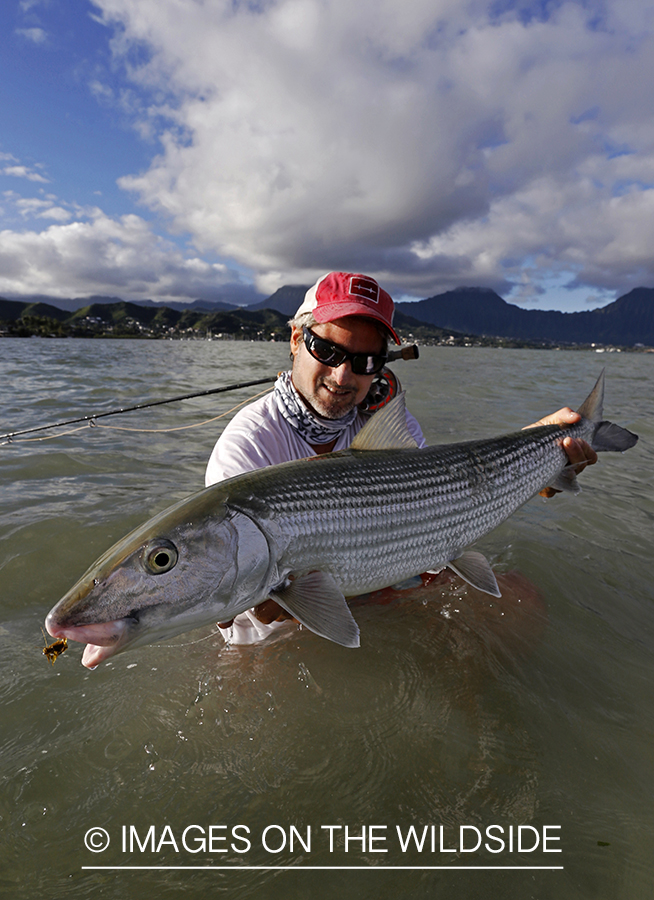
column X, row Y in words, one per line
column 469, row 341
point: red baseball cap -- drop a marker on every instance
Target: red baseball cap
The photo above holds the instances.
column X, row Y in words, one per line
column 340, row 294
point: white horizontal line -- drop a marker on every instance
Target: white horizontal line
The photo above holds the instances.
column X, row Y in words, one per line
column 324, row 868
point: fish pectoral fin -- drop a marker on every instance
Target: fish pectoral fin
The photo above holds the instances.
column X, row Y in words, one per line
column 387, row 429
column 474, row 568
column 316, row 601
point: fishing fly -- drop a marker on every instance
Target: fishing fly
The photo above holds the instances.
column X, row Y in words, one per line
column 55, row 649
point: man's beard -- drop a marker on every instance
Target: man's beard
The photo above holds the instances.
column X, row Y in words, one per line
column 335, row 404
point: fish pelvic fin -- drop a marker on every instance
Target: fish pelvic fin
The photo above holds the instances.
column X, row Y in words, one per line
column 591, row 408
column 387, row 429
column 474, row 568
column 566, row 481
column 316, row 601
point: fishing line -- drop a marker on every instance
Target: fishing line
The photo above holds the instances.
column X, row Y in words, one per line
column 188, row 643
column 92, row 424
column 407, row 352
column 90, row 420
column 179, row 427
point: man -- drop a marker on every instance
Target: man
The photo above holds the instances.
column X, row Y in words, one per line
column 339, row 343
column 314, row 408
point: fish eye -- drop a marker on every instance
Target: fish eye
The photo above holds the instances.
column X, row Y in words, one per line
column 159, row 556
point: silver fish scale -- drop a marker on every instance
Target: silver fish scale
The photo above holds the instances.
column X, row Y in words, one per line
column 376, row 517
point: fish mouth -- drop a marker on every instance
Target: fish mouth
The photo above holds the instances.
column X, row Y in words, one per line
column 103, row 639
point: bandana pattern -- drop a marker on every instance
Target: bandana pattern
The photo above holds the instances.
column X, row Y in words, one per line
column 311, row 427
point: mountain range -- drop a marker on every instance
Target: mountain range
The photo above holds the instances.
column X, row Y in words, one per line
column 122, row 319
column 72, row 304
column 627, row 321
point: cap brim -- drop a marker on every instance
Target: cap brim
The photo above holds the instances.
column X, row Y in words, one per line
column 329, row 312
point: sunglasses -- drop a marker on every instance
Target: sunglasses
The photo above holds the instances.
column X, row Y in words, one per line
column 332, row 355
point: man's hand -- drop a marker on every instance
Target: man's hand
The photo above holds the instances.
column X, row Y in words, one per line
column 270, row 611
column 580, row 454
column 266, row 612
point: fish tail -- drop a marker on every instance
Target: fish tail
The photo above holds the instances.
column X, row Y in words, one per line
column 591, row 408
column 608, row 436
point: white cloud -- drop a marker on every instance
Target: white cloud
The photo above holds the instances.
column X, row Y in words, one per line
column 28, row 206
column 55, row 212
column 558, row 224
column 432, row 143
column 45, row 206
column 37, row 35
column 24, row 172
column 102, row 255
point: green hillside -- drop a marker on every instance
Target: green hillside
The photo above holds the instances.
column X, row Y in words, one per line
column 125, row 319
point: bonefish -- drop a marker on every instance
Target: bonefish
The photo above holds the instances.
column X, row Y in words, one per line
column 312, row 532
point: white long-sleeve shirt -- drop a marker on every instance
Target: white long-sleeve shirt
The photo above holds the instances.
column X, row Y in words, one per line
column 260, row 436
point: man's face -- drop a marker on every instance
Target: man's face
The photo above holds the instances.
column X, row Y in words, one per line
column 333, row 392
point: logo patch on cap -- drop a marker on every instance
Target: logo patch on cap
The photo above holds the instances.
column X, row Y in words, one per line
column 365, row 288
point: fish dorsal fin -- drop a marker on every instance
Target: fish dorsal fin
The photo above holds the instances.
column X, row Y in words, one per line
column 474, row 568
column 316, row 600
column 591, row 408
column 387, row 430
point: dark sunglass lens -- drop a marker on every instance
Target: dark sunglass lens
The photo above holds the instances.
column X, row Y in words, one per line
column 325, row 351
column 360, row 364
column 367, row 365
column 322, row 350
column 331, row 355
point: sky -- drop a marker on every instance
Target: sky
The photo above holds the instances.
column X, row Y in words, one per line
column 218, row 149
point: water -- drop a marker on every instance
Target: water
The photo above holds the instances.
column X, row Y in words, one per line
column 453, row 712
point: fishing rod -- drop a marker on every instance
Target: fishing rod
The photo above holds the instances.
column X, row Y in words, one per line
column 125, row 409
column 410, row 352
